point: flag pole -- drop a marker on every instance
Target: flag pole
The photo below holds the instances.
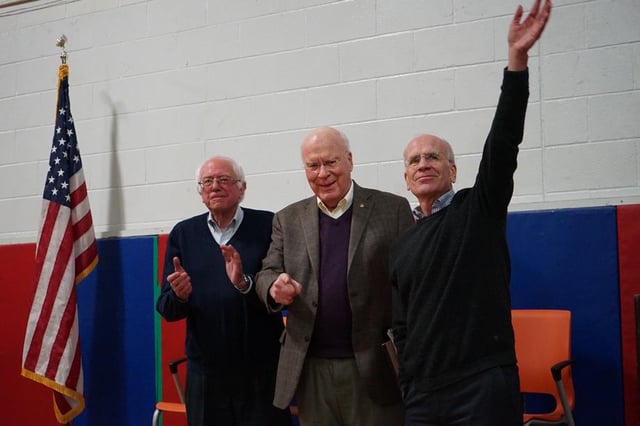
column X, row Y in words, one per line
column 61, row 42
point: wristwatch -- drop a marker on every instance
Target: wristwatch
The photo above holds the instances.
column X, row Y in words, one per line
column 247, row 280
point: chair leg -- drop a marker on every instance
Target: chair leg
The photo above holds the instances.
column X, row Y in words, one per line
column 565, row 404
column 156, row 415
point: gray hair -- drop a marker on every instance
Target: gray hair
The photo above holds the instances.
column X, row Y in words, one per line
column 237, row 170
column 345, row 139
column 450, row 155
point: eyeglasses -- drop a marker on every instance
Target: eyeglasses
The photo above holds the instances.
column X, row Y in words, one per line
column 222, row 181
column 328, row 165
column 429, row 157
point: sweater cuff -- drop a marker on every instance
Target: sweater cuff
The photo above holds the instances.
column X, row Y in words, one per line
column 515, row 79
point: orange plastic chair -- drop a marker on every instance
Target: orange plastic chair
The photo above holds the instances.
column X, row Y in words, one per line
column 171, row 407
column 543, row 350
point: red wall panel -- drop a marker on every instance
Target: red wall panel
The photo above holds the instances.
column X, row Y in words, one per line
column 23, row 402
column 629, row 263
column 172, row 347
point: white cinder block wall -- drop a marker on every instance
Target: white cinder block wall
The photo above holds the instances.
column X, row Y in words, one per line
column 158, row 86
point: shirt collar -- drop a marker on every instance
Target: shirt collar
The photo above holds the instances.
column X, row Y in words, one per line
column 233, row 225
column 341, row 208
column 443, row 201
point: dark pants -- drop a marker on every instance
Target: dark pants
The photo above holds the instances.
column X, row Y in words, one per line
column 489, row 398
column 233, row 401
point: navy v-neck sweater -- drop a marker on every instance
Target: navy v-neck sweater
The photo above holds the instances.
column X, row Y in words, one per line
column 228, row 333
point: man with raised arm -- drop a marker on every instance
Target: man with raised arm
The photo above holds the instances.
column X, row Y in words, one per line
column 450, row 273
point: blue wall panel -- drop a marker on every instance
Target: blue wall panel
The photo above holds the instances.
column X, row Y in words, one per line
column 567, row 259
column 116, row 309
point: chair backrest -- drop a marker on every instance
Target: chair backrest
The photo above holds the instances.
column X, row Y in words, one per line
column 543, row 338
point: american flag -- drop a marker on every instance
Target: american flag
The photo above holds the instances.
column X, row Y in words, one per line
column 66, row 253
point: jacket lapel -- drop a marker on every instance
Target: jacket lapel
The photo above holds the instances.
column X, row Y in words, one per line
column 310, row 226
column 361, row 211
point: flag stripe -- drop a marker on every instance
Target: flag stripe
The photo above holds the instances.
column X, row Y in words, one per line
column 62, row 338
column 43, row 302
column 81, row 227
column 91, row 254
column 47, row 313
column 46, row 232
column 62, row 402
column 49, row 217
column 78, row 192
column 75, row 372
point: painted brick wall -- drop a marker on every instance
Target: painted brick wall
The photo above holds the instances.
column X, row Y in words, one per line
column 159, row 85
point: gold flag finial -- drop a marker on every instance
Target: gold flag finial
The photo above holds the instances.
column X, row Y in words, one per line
column 61, row 42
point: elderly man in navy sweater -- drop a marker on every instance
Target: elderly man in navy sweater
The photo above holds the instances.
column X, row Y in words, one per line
column 232, row 341
column 450, row 273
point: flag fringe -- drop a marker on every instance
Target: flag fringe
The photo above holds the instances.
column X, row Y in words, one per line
column 63, row 390
column 84, row 273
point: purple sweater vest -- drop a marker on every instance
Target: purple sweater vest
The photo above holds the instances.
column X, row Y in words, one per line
column 332, row 331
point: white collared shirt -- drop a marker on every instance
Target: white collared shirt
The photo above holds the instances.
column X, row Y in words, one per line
column 341, row 208
column 222, row 236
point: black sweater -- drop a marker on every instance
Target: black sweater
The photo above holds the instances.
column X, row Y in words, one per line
column 450, row 273
column 228, row 333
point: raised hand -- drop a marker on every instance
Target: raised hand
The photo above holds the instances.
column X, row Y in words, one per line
column 523, row 35
column 179, row 280
column 233, row 265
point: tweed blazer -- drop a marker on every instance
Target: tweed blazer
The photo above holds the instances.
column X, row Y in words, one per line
column 377, row 220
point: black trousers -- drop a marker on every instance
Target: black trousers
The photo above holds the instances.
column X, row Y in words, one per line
column 489, row 398
column 232, row 401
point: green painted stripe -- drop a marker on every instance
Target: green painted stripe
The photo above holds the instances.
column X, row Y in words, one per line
column 156, row 324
